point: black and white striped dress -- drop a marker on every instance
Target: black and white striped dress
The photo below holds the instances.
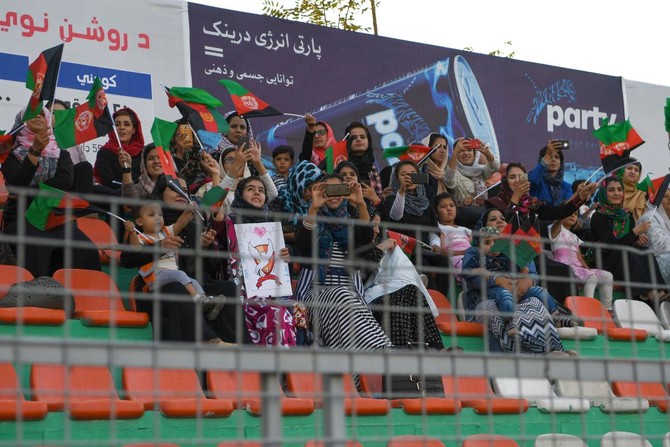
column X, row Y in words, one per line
column 339, row 317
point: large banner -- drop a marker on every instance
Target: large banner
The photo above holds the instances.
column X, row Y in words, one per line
column 645, row 105
column 401, row 90
column 130, row 45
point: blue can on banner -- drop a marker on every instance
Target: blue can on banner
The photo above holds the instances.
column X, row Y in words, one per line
column 443, row 97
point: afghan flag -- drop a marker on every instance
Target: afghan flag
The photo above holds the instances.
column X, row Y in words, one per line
column 198, row 107
column 520, row 251
column 336, row 154
column 86, row 122
column 246, row 103
column 6, row 138
column 41, row 79
column 406, row 243
column 414, row 152
column 213, row 199
column 52, row 208
column 162, row 132
column 655, row 188
column 617, row 138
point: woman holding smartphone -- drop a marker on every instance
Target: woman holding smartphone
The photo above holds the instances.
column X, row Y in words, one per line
column 546, row 179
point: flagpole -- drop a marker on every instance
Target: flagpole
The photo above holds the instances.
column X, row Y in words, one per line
column 122, row 220
column 425, row 157
column 195, row 134
column 60, row 62
column 594, row 173
column 176, row 188
column 293, row 114
column 345, row 137
column 116, row 133
column 486, row 190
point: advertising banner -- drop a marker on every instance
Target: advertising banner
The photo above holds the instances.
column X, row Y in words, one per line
column 401, row 90
column 129, row 45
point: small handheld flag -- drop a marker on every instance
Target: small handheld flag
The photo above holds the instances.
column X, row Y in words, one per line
column 616, row 142
column 162, row 132
column 213, row 199
column 520, row 251
column 415, row 152
column 52, row 208
column 41, row 80
column 198, row 107
column 246, row 103
column 336, row 154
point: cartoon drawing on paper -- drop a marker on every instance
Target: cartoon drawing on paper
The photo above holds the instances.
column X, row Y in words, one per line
column 264, row 257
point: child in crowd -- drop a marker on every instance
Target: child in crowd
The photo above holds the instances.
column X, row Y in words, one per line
column 452, row 240
column 565, row 248
column 149, row 218
column 282, row 159
column 496, row 277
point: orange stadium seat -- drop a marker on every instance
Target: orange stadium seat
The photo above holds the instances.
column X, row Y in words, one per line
column 595, row 315
column 476, row 393
column 102, row 235
column 244, row 389
column 322, row 443
column 240, row 444
column 151, row 444
column 11, row 274
column 85, row 392
column 448, row 323
column 489, row 441
column 654, row 392
column 13, row 405
column 176, row 392
column 310, row 386
column 97, row 301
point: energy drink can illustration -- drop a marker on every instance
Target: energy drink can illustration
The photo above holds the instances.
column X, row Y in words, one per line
column 443, row 97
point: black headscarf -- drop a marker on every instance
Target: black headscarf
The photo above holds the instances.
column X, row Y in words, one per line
column 364, row 162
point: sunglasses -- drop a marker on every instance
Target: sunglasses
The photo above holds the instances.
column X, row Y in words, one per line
column 320, row 132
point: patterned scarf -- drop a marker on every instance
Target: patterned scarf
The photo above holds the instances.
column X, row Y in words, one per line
column 555, row 182
column 331, row 232
column 416, row 203
column 618, row 214
column 46, row 168
column 240, row 204
column 300, row 177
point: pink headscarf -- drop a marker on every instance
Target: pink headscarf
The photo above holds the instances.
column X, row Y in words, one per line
column 319, row 153
column 25, row 137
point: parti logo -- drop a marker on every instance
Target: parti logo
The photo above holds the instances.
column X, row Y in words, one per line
column 564, row 90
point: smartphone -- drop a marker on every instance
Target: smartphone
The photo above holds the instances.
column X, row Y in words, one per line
column 337, row 190
column 243, row 142
column 419, row 178
column 473, row 143
column 523, row 177
column 565, row 144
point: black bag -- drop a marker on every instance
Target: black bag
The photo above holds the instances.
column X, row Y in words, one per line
column 43, row 291
column 412, row 385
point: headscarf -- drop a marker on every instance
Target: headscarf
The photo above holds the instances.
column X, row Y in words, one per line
column 319, row 153
column 331, row 232
column 415, row 204
column 144, row 181
column 435, row 170
column 240, row 204
column 634, row 200
column 618, row 214
column 136, row 144
column 225, row 143
column 300, row 177
column 527, row 204
column 364, row 162
column 48, row 164
column 554, row 181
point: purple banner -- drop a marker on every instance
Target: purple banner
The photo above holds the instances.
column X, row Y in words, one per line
column 401, row 90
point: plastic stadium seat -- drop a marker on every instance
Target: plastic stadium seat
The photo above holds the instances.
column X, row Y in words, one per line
column 539, row 393
column 322, row 443
column 595, row 315
column 102, row 235
column 97, row 301
column 414, row 441
column 654, row 392
column 448, row 323
column 176, row 392
column 85, row 392
column 489, row 441
column 600, row 395
column 151, row 444
column 664, row 313
column 11, row 274
column 309, row 386
column 558, row 440
column 623, row 438
column 244, row 390
column 240, row 444
column 638, row 315
column 13, row 406
column 666, row 440
column 476, row 393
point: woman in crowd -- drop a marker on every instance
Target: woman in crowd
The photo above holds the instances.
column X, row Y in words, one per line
column 332, row 291
column 615, row 225
column 634, row 200
column 465, row 178
column 190, row 160
column 514, row 197
column 409, row 205
column 659, row 234
column 318, row 137
column 266, row 323
column 111, row 163
column 176, row 319
column 239, row 128
column 546, row 179
column 349, row 173
column 37, row 159
column 361, row 154
column 436, row 164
